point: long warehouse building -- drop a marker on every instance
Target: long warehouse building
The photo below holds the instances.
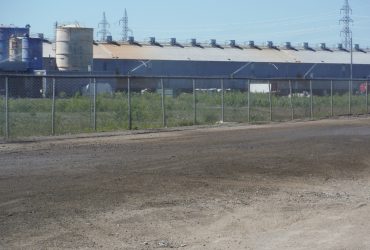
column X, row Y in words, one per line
column 195, row 59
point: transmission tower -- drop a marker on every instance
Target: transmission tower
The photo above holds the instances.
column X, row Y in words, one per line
column 125, row 28
column 104, row 26
column 346, row 20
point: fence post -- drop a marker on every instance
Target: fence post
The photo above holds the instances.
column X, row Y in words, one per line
column 164, row 120
column 249, row 102
column 129, row 103
column 94, row 106
column 6, row 108
column 270, row 101
column 349, row 98
column 331, row 99
column 194, row 103
column 53, row 109
column 311, row 100
column 222, row 101
column 367, row 98
column 291, row 99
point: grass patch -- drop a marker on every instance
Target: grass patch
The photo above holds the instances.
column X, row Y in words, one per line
column 32, row 117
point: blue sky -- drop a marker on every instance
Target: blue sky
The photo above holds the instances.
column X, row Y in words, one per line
column 243, row 20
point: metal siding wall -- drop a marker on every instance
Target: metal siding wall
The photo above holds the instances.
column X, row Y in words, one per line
column 225, row 69
column 26, row 50
column 35, row 53
column 5, row 34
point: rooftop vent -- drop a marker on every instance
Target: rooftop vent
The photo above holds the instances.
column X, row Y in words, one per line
column 288, row 46
column 270, row 44
column 340, row 46
column 233, row 44
column 306, row 46
column 194, row 42
column 153, row 42
column 173, row 42
column 251, row 44
column 358, row 48
column 323, row 46
column 131, row 40
column 213, row 43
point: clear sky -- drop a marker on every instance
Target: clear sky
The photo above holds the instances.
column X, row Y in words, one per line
column 312, row 21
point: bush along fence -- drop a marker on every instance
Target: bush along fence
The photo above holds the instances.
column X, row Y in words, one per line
column 55, row 105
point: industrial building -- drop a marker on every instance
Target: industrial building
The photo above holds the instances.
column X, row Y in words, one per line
column 194, row 59
column 20, row 52
column 75, row 51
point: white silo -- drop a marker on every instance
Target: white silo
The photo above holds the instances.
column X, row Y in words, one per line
column 74, row 48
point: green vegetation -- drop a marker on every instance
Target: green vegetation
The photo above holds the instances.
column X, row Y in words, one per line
column 32, row 117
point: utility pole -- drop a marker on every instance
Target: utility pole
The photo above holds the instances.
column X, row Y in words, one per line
column 55, row 34
column 347, row 35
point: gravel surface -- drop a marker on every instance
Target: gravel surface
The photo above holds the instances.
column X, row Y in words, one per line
column 279, row 186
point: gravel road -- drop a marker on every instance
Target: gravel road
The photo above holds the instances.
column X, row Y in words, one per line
column 302, row 185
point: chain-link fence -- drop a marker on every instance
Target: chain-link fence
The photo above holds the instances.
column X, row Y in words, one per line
column 54, row 105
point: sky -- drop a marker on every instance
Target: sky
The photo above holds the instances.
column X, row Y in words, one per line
column 313, row 21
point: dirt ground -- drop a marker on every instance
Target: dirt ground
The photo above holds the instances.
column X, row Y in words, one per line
column 280, row 186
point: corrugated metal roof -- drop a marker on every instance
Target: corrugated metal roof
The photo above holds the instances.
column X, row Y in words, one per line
column 148, row 52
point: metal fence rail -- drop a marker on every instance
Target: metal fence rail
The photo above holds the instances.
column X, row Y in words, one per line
column 54, row 105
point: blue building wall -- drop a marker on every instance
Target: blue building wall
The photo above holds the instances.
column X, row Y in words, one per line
column 5, row 34
column 31, row 58
column 225, row 69
column 299, row 71
column 35, row 54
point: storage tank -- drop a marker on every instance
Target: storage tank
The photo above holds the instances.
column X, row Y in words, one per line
column 74, row 48
column 25, row 50
column 5, row 33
